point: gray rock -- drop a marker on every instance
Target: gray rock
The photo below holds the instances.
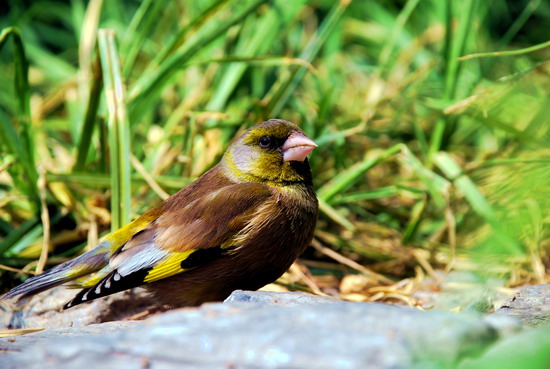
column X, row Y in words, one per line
column 44, row 309
column 461, row 291
column 249, row 334
column 531, row 305
column 279, row 298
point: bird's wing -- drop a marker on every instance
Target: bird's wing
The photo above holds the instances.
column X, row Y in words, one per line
column 93, row 261
column 180, row 239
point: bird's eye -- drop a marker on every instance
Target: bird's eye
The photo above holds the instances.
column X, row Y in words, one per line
column 265, row 142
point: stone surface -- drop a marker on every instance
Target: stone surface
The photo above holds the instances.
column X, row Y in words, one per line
column 279, row 298
column 44, row 309
column 531, row 305
column 276, row 330
column 461, row 291
column 269, row 330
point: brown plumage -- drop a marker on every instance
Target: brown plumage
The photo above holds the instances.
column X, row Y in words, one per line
column 284, row 231
column 239, row 226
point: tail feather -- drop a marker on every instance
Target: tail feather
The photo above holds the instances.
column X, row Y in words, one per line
column 87, row 263
column 36, row 284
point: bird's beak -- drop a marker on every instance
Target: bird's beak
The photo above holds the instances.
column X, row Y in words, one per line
column 297, row 146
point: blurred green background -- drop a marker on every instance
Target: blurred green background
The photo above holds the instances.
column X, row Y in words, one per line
column 428, row 163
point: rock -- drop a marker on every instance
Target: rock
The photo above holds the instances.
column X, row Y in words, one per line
column 531, row 305
column 461, row 291
column 281, row 331
column 44, row 309
column 279, row 298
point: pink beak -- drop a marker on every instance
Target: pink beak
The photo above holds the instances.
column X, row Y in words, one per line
column 297, row 146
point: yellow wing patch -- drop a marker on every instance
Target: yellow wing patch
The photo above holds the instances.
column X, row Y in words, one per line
column 77, row 271
column 168, row 267
column 93, row 280
column 121, row 236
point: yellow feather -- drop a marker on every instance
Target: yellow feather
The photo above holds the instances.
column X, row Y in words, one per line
column 168, row 267
column 93, row 280
column 120, row 237
column 77, row 271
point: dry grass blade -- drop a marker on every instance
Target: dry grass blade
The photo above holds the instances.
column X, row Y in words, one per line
column 148, row 178
column 45, row 216
column 350, row 263
column 19, row 332
column 422, row 258
column 296, row 268
column 494, row 54
column 16, row 270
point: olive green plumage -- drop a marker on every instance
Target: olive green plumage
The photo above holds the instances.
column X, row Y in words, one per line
column 239, row 226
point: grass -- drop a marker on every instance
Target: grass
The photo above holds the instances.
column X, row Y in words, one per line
column 430, row 118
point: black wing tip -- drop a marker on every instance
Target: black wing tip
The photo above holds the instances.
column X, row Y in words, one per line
column 86, row 295
column 83, row 296
column 112, row 283
column 71, row 304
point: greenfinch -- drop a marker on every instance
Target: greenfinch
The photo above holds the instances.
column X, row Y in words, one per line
column 239, row 226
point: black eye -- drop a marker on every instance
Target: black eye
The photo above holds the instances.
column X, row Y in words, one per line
column 265, row 142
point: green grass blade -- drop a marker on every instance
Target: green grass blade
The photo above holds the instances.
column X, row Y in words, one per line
column 415, row 219
column 257, row 35
column 437, row 186
column 10, row 142
column 378, row 193
column 88, row 25
column 55, row 69
column 98, row 180
column 179, row 38
column 282, row 91
column 458, row 47
column 140, row 27
column 386, row 53
column 333, row 214
column 264, row 61
column 21, row 72
column 85, row 137
column 494, row 54
column 21, row 144
column 8, row 242
column 119, row 129
column 520, row 21
column 477, row 201
column 147, row 88
column 349, row 177
column 452, row 67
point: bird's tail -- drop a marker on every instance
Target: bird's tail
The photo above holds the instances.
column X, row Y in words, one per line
column 85, row 264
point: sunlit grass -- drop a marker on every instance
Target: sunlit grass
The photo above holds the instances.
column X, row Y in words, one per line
column 426, row 162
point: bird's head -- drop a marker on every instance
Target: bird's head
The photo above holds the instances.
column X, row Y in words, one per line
column 273, row 152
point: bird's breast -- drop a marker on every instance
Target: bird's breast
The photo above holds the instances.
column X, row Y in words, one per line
column 282, row 227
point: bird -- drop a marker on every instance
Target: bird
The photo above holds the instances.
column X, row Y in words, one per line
column 239, row 226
